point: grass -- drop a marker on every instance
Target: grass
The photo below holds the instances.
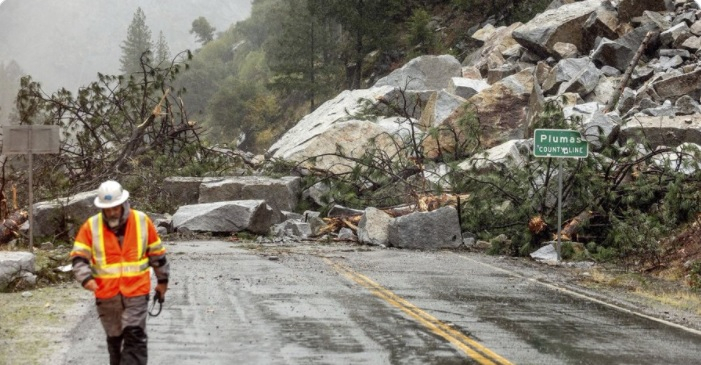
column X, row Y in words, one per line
column 659, row 290
column 32, row 319
column 30, row 323
column 677, row 299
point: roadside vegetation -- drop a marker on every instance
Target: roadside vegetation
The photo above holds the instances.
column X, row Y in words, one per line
column 629, row 205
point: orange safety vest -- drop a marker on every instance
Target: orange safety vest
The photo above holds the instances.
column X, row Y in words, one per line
column 118, row 269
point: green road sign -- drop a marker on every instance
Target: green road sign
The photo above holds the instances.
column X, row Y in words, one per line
column 562, row 143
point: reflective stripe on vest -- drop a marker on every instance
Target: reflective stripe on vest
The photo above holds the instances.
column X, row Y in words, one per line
column 101, row 269
column 81, row 250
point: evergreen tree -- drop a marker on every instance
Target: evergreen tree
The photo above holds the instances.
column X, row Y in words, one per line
column 202, row 30
column 302, row 54
column 137, row 44
column 367, row 26
column 162, row 49
column 421, row 37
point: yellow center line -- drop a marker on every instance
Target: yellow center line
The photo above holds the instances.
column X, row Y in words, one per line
column 472, row 348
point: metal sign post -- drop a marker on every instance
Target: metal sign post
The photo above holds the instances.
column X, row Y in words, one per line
column 30, row 140
column 559, row 143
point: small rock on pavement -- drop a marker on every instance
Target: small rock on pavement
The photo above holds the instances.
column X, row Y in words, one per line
column 346, row 234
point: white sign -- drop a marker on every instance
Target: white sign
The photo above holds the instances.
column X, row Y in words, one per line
column 30, row 139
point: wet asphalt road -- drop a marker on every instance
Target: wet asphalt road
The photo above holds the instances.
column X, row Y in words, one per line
column 232, row 303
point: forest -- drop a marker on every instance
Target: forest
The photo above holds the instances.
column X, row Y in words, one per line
column 253, row 81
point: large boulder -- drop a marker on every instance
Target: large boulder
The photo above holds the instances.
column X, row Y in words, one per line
column 629, row 9
column 465, row 87
column 497, row 45
column 511, row 154
column 440, row 106
column 501, row 110
column 336, row 125
column 55, row 216
column 282, row 193
column 185, row 190
column 663, row 131
column 373, row 227
column 424, row 73
column 14, row 265
column 426, row 230
column 676, row 86
column 619, row 52
column 603, row 23
column 254, row 216
column 578, row 75
column 563, row 24
column 598, row 128
column 604, row 90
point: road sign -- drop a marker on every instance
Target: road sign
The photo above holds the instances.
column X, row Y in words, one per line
column 563, row 143
column 30, row 140
column 36, row 139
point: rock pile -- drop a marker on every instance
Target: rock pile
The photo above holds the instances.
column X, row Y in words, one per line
column 575, row 52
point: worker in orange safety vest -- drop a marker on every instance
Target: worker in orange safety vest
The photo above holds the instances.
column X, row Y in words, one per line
column 112, row 256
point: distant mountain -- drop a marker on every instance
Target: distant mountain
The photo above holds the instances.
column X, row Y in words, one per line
column 66, row 43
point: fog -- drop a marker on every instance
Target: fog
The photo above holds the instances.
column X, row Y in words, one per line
column 66, row 43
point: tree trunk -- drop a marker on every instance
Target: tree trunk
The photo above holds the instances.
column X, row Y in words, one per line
column 626, row 77
column 571, row 228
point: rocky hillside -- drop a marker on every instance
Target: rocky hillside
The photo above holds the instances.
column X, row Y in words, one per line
column 579, row 53
column 624, row 73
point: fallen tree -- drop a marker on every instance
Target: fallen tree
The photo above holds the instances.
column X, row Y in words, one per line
column 134, row 129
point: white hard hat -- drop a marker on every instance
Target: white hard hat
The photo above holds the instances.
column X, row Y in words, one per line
column 110, row 194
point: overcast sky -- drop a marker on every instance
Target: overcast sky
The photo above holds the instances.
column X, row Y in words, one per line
column 49, row 42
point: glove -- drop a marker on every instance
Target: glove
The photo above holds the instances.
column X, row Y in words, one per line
column 161, row 290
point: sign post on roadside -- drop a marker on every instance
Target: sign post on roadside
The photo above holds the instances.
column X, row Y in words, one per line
column 30, row 140
column 559, row 143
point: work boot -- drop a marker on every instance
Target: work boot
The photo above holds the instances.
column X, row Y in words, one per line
column 135, row 351
column 114, row 347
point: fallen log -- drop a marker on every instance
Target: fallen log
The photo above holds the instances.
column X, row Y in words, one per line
column 426, row 203
column 350, row 224
column 334, row 224
column 429, row 203
column 571, row 228
column 626, row 76
column 9, row 229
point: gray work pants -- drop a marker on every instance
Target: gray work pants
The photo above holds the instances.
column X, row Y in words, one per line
column 124, row 319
